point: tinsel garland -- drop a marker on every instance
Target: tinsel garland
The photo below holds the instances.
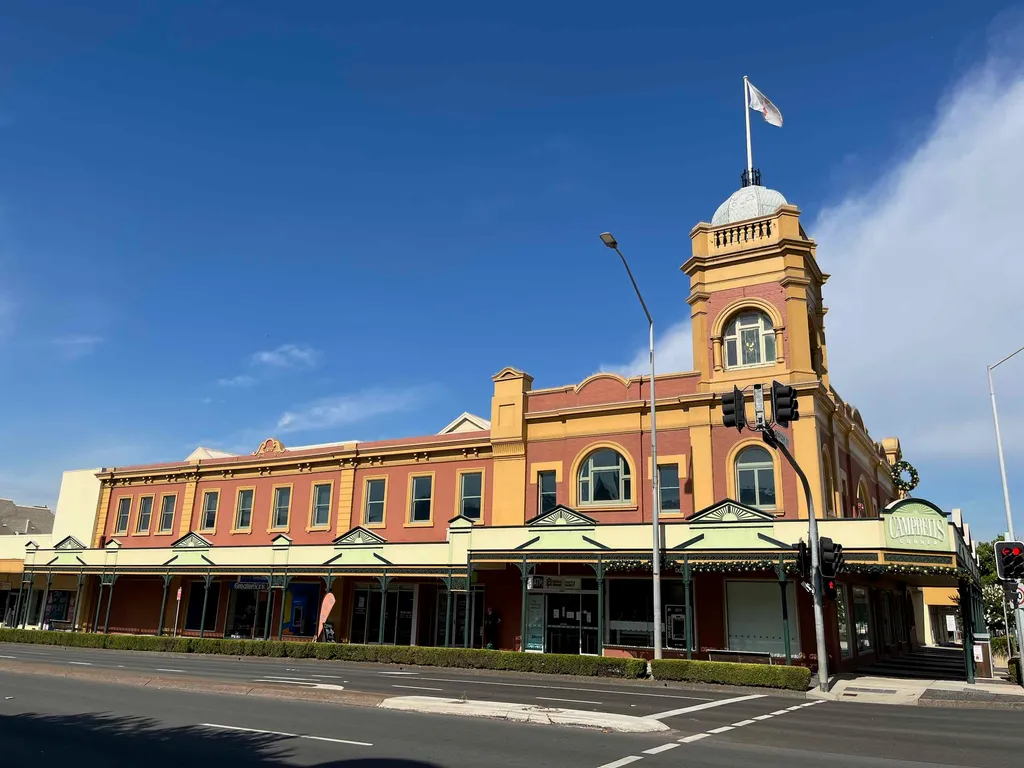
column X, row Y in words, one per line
column 763, row 565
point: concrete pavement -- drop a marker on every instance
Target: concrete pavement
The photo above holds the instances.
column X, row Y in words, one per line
column 85, row 723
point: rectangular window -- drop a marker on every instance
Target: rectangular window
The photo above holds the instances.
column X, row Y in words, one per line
column 282, row 506
column 668, row 486
column 547, row 492
column 145, row 514
column 124, row 509
column 321, row 505
column 861, row 619
column 210, row 501
column 167, row 513
column 243, row 509
column 471, row 495
column 195, row 617
column 845, row 627
column 422, row 488
column 373, row 507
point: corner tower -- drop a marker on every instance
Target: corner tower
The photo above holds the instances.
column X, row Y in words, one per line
column 755, row 294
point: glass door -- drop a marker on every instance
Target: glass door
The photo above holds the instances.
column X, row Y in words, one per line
column 534, row 636
column 563, row 617
column 588, row 624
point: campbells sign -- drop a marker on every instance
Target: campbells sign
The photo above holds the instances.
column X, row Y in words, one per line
column 916, row 524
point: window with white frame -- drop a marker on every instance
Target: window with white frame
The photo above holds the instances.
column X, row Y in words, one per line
column 145, row 514
column 605, row 479
column 209, row 519
column 749, row 340
column 547, row 491
column 321, row 505
column 282, row 505
column 420, row 504
column 243, row 510
column 755, row 478
column 668, row 487
column 124, row 510
column 471, row 495
column 373, row 507
column 167, row 513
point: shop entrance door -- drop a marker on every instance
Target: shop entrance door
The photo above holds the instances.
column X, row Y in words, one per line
column 571, row 623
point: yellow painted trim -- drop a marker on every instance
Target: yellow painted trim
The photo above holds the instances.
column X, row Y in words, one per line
column 605, row 375
column 537, row 467
column 166, row 531
column 679, row 459
column 102, row 512
column 138, row 515
column 364, row 497
column 730, row 477
column 483, row 491
column 271, row 528
column 216, row 513
column 574, row 477
column 252, row 511
column 128, row 522
column 310, row 525
column 747, row 302
column 409, row 522
column 828, row 483
column 347, row 516
column 188, row 507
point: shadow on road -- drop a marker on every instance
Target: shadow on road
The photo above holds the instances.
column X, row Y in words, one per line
column 99, row 740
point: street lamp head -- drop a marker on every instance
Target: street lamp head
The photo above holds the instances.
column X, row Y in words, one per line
column 607, row 239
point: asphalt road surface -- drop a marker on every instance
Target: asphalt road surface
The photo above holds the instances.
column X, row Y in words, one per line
column 72, row 722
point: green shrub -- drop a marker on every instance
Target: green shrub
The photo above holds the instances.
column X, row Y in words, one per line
column 999, row 646
column 1015, row 672
column 729, row 673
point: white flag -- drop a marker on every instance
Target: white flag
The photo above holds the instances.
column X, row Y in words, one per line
column 758, row 102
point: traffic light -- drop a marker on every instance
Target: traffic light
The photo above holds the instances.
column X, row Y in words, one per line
column 734, row 414
column 830, row 558
column 1010, row 560
column 785, row 407
column 828, row 589
column 803, row 560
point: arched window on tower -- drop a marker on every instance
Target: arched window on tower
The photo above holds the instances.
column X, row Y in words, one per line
column 604, row 479
column 829, row 489
column 755, row 478
column 863, row 502
column 749, row 340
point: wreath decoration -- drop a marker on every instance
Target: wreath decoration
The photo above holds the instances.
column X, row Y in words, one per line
column 904, row 476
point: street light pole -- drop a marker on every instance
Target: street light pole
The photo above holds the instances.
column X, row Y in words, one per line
column 610, row 241
column 1019, row 613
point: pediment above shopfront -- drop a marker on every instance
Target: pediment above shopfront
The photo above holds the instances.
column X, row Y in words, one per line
column 729, row 511
column 561, row 515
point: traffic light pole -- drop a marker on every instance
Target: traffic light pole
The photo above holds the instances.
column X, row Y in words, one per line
column 819, row 619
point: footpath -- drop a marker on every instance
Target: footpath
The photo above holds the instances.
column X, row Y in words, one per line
column 994, row 694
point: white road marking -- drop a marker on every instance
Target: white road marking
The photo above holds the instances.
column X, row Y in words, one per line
column 621, row 762
column 332, row 677
column 417, row 687
column 793, row 709
column 551, row 687
column 274, row 678
column 764, row 717
column 694, row 737
column 81, row 663
column 8, row 657
column 741, row 723
column 282, row 733
column 723, row 729
column 780, row 712
column 708, row 705
column 659, row 750
column 571, row 701
column 809, row 704
column 396, row 673
column 159, row 669
column 120, row 666
column 818, row 701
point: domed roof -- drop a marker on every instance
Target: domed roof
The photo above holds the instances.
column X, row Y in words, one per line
column 748, row 203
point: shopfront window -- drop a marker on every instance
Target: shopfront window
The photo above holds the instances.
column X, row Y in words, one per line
column 398, row 604
column 194, row 617
column 845, row 625
column 862, row 619
column 631, row 613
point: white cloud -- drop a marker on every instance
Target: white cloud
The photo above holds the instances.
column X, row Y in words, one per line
column 77, row 345
column 673, row 352
column 287, row 356
column 342, row 410
column 926, row 278
column 242, row 380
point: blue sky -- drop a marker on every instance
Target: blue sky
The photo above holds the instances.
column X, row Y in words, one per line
column 224, row 220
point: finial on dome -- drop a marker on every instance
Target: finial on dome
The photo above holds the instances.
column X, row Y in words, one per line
column 746, row 181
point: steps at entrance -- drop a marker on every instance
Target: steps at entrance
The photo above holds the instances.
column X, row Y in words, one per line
column 925, row 663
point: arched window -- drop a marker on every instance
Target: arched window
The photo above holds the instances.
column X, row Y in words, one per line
column 863, row 502
column 826, row 476
column 749, row 340
column 755, row 478
column 604, row 479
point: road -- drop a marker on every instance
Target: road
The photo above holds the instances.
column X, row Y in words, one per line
column 89, row 723
column 72, row 722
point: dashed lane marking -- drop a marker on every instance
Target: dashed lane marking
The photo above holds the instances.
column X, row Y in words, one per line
column 285, row 734
column 80, row 663
column 659, row 750
column 780, row 712
column 622, row 761
column 694, row 737
column 552, row 687
column 417, row 687
column 8, row 657
column 159, row 669
column 723, row 729
column 764, row 717
column 794, row 709
column 707, row 705
column 741, row 723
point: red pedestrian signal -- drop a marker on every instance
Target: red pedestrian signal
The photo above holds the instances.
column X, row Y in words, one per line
column 828, row 589
column 1010, row 560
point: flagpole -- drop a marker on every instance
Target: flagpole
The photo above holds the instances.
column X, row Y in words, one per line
column 746, row 112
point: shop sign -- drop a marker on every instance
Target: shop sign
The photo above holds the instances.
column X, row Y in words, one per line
column 562, row 583
column 251, row 583
column 917, row 526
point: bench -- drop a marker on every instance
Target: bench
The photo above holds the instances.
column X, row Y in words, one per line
column 741, row 657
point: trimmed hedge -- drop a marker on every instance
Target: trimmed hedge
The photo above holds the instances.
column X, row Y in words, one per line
column 1014, row 667
column 730, row 673
column 463, row 658
column 999, row 646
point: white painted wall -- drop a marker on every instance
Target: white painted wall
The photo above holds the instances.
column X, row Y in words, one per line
column 76, row 505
